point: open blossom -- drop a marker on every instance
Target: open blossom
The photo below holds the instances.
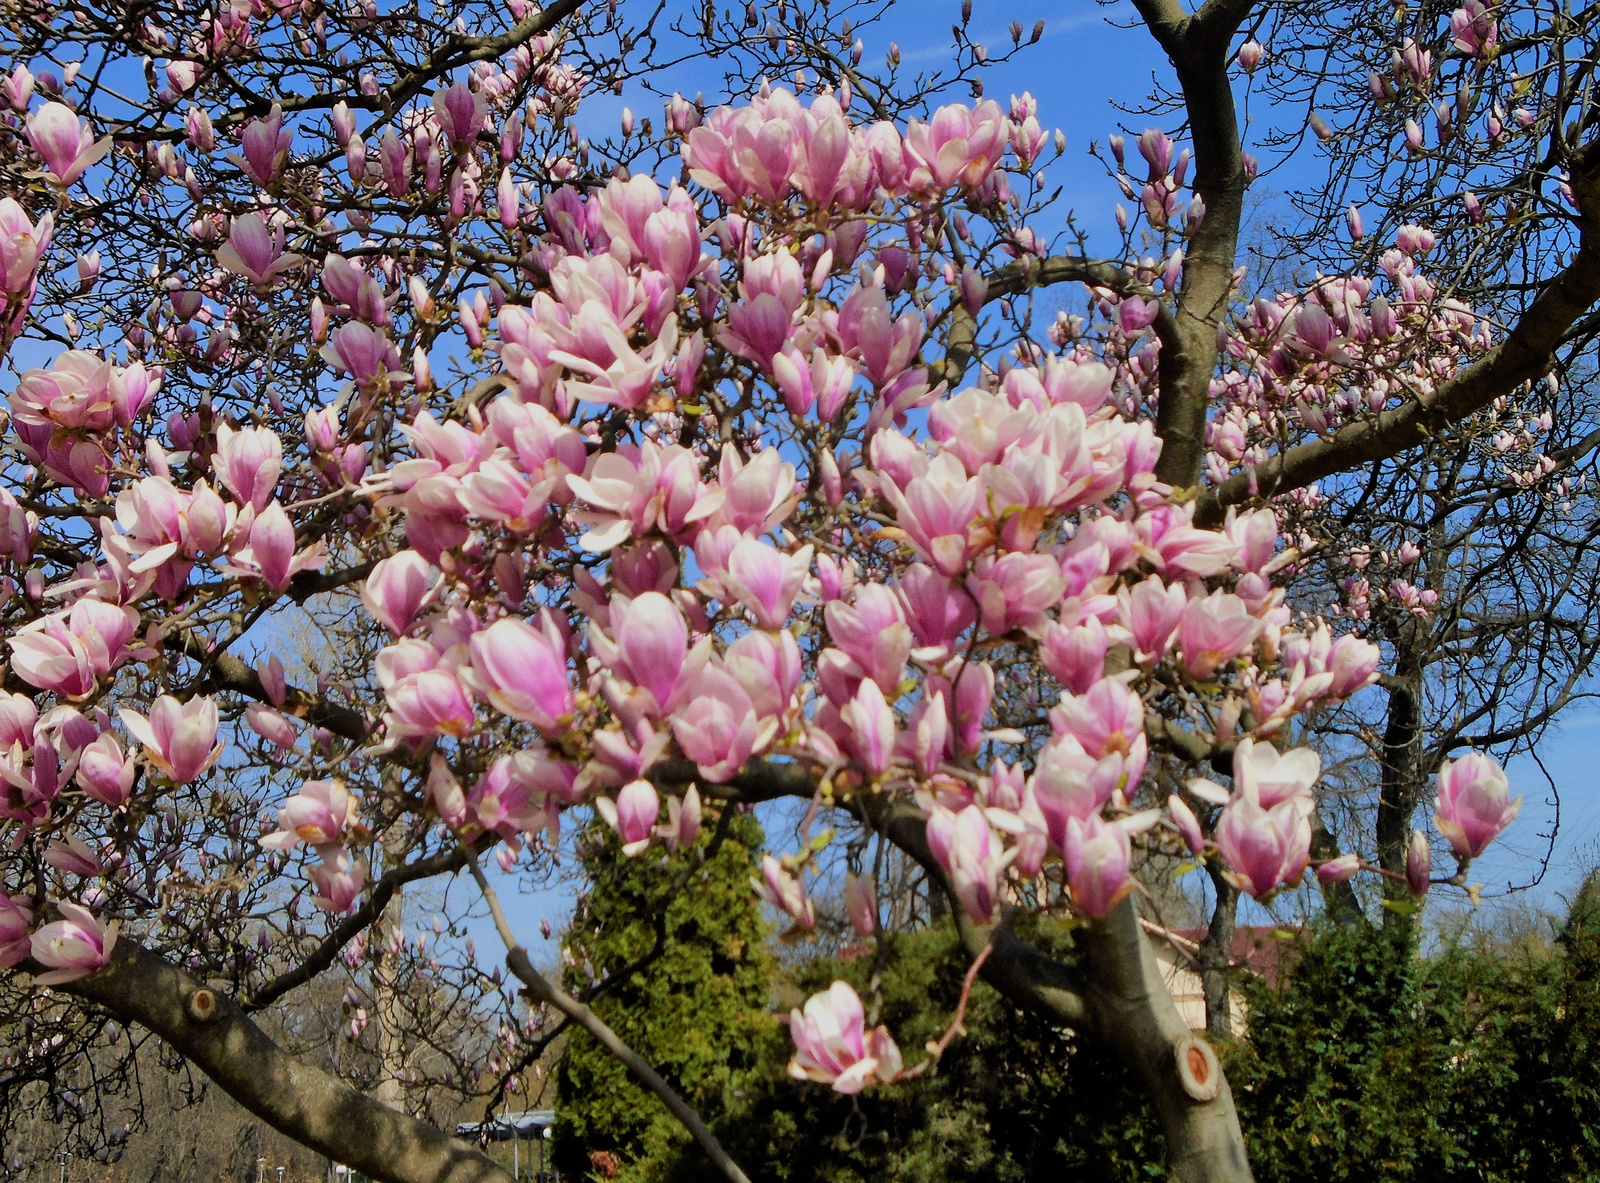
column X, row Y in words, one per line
column 1264, row 848
column 178, row 736
column 255, row 252
column 718, row 727
column 68, row 653
column 832, row 1048
column 1473, row 805
column 72, row 947
column 318, row 815
column 65, row 142
column 785, row 892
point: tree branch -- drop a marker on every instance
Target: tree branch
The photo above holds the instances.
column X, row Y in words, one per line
column 297, row 1099
column 1525, row 355
column 347, row 929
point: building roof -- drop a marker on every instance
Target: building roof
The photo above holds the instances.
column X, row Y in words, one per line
column 1263, row 949
column 530, row 1123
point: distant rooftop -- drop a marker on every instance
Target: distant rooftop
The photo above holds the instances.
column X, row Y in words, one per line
column 530, row 1123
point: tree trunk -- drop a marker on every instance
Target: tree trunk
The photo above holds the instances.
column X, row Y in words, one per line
column 1132, row 1011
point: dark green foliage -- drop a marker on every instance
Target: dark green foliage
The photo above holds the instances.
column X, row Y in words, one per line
column 698, row 1011
column 1013, row 1099
column 1373, row 1063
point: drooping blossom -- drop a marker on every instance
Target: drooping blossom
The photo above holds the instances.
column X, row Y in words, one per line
column 832, row 1048
column 632, row 815
column 73, row 947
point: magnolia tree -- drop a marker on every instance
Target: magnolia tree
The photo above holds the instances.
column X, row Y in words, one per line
column 733, row 458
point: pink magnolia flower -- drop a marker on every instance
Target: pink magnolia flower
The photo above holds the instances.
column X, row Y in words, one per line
column 785, row 892
column 650, row 649
column 265, row 143
column 1097, row 856
column 22, row 246
column 105, row 773
column 271, row 725
column 15, row 920
column 1213, row 631
column 860, row 904
column 1264, row 847
column 1339, row 870
column 682, row 826
column 959, row 145
column 1187, row 825
column 1069, row 783
column 873, row 633
column 248, row 463
column 337, row 880
column 936, row 608
column 460, row 112
column 1076, row 656
column 968, row 849
column 767, row 665
column 65, row 142
column 1473, row 804
column 831, row 1047
column 1419, row 864
column 1106, row 720
column 74, row 857
column 1013, row 591
column 765, row 581
column 73, row 947
column 177, row 737
column 69, row 653
column 429, row 702
column 397, row 589
column 869, row 728
column 632, row 815
column 318, row 815
column 523, row 671
column 635, row 491
column 1473, row 31
column 255, row 252
column 718, row 728
column 1272, row 775
column 936, row 511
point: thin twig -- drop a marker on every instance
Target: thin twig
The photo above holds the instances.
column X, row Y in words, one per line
column 935, row 1050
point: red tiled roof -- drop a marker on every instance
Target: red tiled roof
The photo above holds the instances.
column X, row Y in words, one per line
column 1260, row 948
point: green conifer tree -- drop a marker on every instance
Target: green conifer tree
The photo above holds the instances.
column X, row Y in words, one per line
column 680, row 944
